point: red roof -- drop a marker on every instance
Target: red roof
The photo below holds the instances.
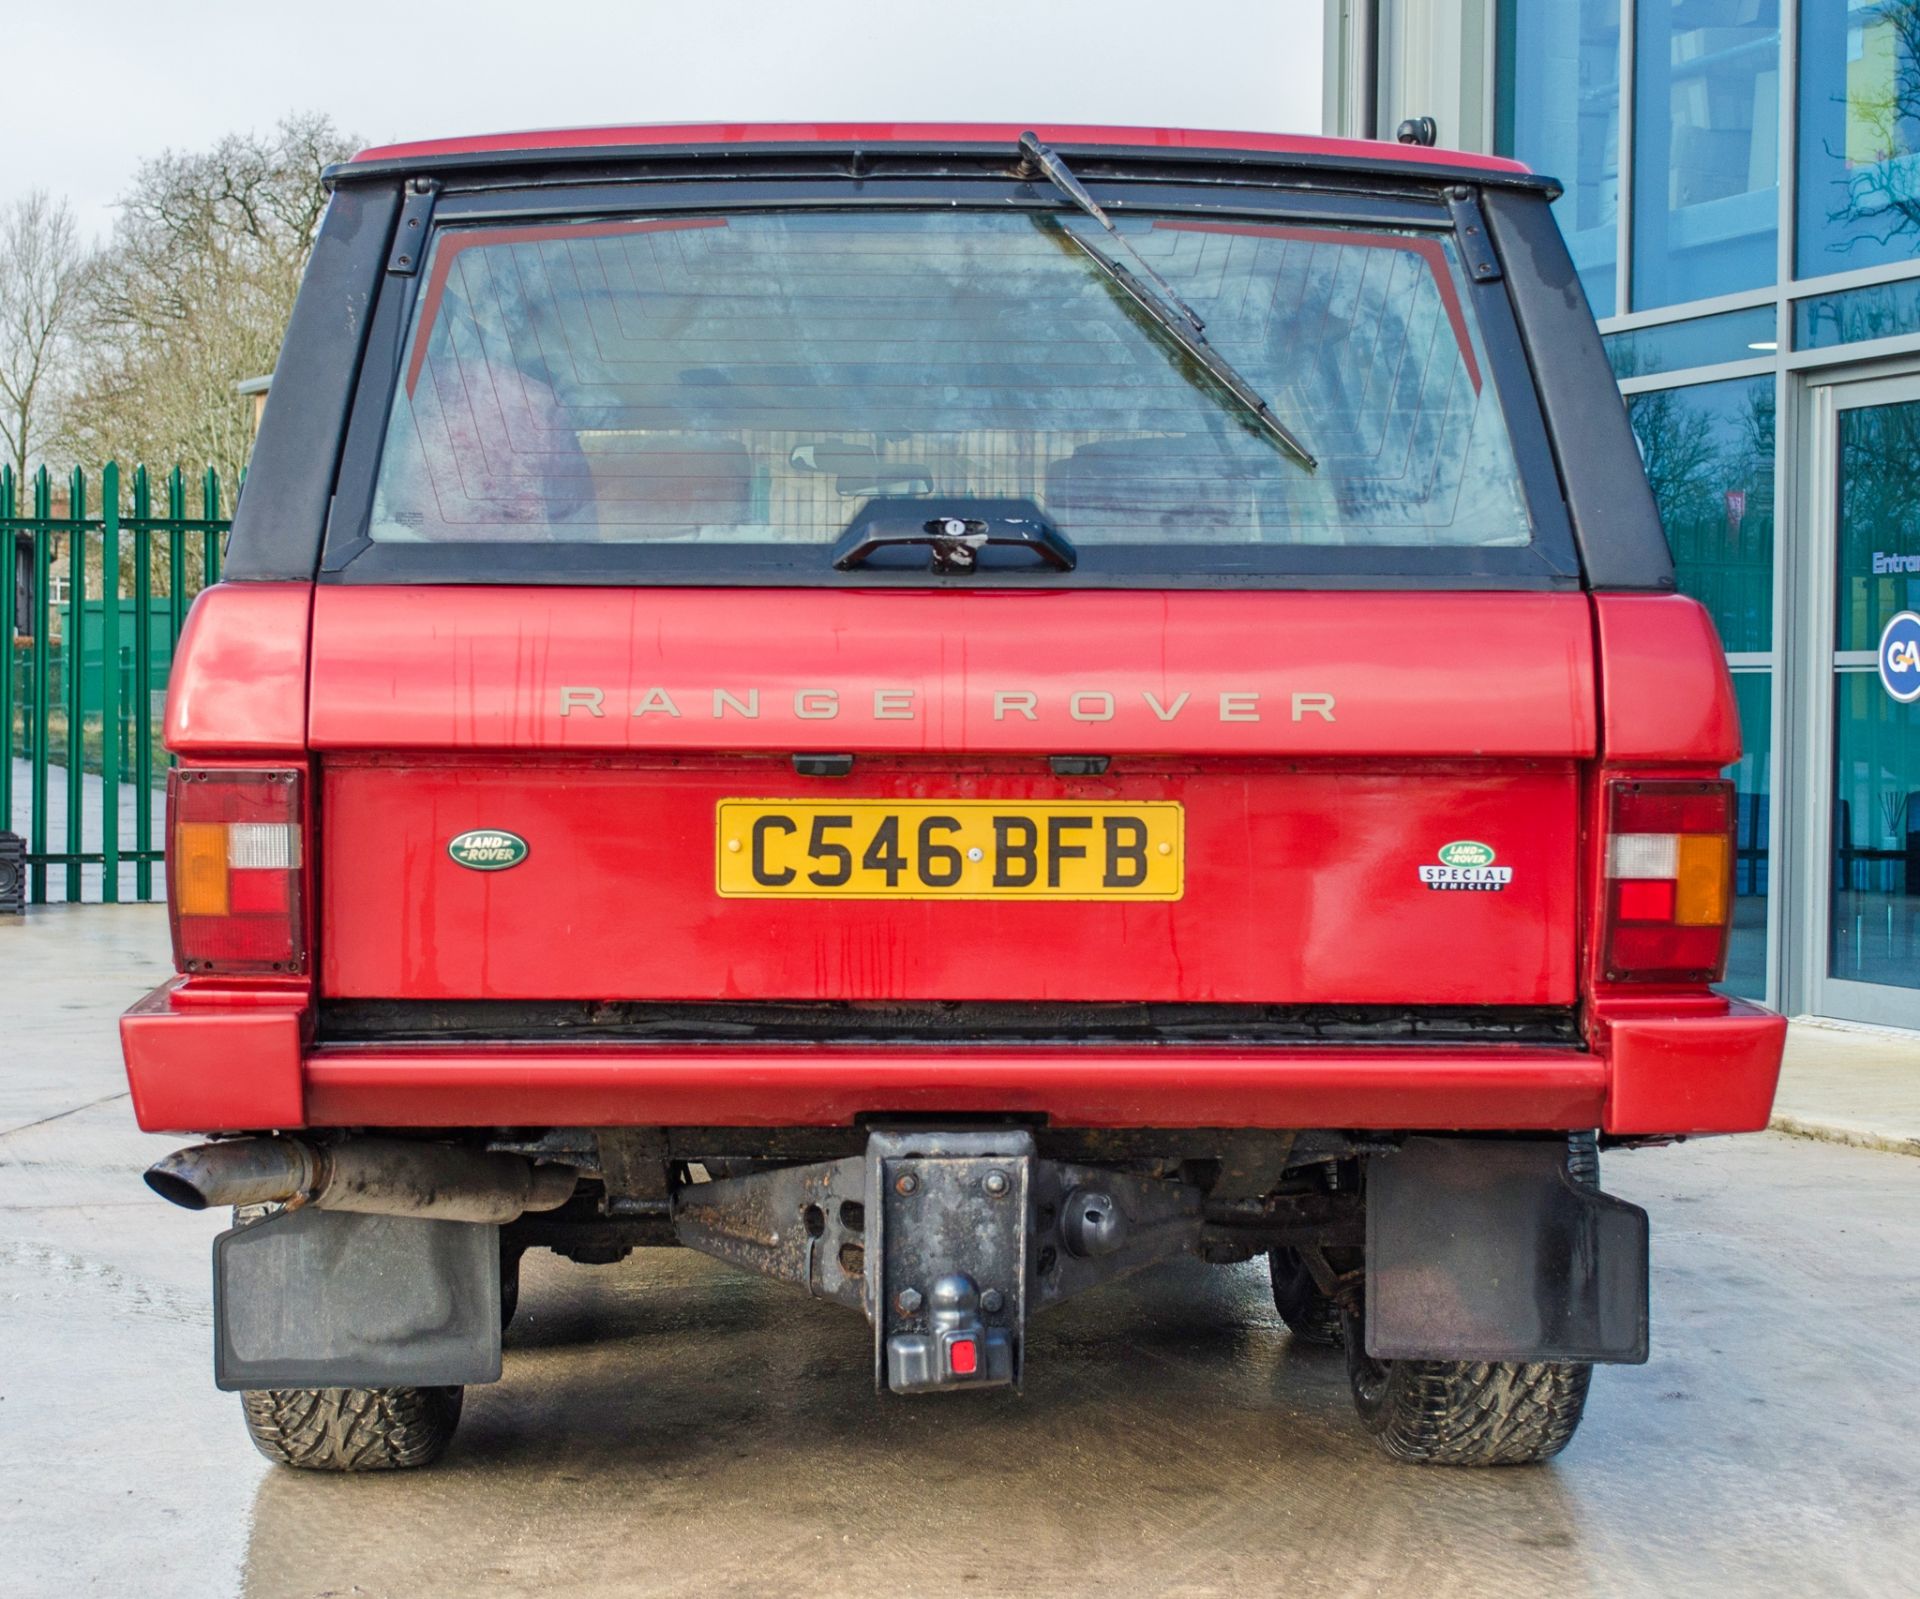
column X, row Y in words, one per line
column 941, row 133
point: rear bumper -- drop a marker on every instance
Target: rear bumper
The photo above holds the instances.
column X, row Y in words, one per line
column 814, row 1086
column 201, row 1068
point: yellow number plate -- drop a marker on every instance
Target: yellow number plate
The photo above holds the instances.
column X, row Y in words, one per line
column 949, row 849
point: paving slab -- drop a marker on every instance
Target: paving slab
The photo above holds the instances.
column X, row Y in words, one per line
column 1851, row 1085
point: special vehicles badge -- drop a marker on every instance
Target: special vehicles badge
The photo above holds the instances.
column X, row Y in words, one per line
column 1466, row 866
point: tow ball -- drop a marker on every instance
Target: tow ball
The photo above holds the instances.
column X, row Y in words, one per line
column 947, row 1241
column 957, row 1347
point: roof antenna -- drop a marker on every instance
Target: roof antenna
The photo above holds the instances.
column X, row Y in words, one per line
column 1418, row 130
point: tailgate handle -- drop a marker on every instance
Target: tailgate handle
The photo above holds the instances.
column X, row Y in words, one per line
column 956, row 540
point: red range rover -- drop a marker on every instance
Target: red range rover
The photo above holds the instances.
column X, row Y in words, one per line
column 942, row 713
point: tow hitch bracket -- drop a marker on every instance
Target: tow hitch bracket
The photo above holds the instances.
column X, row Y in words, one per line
column 945, row 1239
column 946, row 1265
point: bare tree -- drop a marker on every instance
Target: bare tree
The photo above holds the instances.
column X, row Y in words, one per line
column 193, row 292
column 42, row 268
column 1883, row 196
column 1678, row 449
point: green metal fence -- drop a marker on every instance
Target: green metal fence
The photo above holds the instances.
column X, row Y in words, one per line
column 91, row 607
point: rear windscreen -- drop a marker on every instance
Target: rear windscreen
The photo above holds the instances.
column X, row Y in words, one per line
column 759, row 378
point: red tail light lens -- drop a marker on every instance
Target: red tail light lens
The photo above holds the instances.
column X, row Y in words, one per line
column 234, row 854
column 1669, row 881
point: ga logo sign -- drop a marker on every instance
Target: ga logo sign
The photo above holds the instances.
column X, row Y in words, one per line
column 1900, row 657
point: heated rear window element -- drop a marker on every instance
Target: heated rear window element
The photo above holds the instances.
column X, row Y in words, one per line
column 761, row 378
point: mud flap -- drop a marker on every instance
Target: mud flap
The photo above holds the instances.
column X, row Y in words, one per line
column 1486, row 1249
column 328, row 1299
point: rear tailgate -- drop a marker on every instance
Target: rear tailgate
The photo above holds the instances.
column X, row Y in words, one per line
column 1323, row 748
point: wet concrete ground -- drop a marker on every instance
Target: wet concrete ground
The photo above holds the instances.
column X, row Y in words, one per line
column 669, row 1427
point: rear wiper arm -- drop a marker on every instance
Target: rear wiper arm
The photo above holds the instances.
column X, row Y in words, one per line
column 1155, row 296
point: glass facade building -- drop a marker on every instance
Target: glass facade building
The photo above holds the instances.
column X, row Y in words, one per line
column 1742, row 203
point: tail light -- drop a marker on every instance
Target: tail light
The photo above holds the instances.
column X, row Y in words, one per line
column 233, row 870
column 1669, row 886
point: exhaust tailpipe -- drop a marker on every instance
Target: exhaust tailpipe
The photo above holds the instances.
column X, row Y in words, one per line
column 374, row 1176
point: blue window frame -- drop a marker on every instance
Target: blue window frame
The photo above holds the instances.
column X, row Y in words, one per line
column 1706, row 154
column 1562, row 116
column 1708, row 450
column 1879, row 311
column 1703, row 341
column 1859, row 155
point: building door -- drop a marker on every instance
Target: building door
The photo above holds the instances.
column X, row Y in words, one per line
column 1862, row 875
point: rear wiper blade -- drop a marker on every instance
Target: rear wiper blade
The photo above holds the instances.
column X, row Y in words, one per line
column 1060, row 175
column 1155, row 296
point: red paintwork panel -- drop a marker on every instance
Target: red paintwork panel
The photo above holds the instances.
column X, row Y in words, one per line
column 1697, row 1070
column 613, row 669
column 721, row 1087
column 213, row 1069
column 1303, row 879
column 1302, row 885
column 239, row 684
column 1665, row 692
column 935, row 133
column 1695, row 1074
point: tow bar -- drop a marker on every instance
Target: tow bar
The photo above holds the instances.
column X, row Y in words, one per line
column 945, row 1240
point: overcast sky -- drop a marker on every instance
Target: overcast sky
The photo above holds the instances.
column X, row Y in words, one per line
column 93, row 87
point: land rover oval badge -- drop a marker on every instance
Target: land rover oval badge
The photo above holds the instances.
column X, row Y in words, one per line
column 1466, row 866
column 487, row 849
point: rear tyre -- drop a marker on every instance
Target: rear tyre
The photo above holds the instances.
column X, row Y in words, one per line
column 359, row 1429
column 1473, row 1412
column 352, row 1429
column 509, row 1283
column 1310, row 1316
column 1467, row 1412
column 1583, row 1159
